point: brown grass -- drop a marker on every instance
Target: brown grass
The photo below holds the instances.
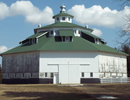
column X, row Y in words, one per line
column 0, row 76
column 54, row 92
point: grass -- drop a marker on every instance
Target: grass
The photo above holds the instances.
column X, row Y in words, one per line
column 54, row 92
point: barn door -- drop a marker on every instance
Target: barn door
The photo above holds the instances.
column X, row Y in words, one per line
column 69, row 73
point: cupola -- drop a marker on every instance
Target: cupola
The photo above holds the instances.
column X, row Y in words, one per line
column 63, row 16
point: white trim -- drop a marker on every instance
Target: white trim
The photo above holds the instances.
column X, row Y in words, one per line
column 41, row 35
column 70, row 63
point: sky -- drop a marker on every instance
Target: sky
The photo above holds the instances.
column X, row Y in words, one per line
column 19, row 18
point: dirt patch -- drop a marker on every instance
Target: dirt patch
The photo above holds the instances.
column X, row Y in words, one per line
column 54, row 92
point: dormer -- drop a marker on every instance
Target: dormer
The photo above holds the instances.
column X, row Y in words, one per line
column 63, row 16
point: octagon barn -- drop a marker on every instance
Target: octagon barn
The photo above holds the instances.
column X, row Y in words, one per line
column 62, row 53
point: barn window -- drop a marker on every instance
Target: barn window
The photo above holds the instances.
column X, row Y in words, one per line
column 52, row 75
column 45, row 74
column 82, row 74
column 91, row 74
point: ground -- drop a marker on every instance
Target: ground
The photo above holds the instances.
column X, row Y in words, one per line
column 55, row 92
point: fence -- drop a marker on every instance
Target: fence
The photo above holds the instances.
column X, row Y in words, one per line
column 115, row 80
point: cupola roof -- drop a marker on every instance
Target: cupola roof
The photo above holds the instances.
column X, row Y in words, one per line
column 63, row 12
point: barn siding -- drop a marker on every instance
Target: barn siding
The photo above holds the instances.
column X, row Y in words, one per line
column 21, row 63
column 112, row 65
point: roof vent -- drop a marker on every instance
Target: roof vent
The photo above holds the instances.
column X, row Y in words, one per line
column 39, row 25
column 86, row 26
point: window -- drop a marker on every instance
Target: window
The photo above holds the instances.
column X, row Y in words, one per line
column 63, row 38
column 45, row 74
column 63, row 18
column 82, row 74
column 33, row 41
column 57, row 32
column 91, row 74
column 79, row 32
column 57, row 18
column 67, row 38
column 69, row 18
column 75, row 31
column 51, row 32
column 52, row 75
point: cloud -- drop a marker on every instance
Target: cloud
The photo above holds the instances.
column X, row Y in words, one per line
column 96, row 15
column 97, row 32
column 3, row 49
column 31, row 13
column 4, row 10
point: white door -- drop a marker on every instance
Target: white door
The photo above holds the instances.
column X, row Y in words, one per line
column 63, row 74
column 56, row 78
column 74, row 74
column 69, row 73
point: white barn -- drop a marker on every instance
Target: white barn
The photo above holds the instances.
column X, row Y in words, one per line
column 62, row 52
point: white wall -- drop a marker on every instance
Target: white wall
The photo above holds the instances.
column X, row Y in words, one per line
column 83, row 61
column 112, row 65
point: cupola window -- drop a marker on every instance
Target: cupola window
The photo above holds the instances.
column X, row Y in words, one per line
column 79, row 32
column 63, row 38
column 67, row 39
column 57, row 18
column 69, row 18
column 51, row 32
column 63, row 18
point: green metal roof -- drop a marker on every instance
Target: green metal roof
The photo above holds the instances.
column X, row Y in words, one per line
column 63, row 25
column 63, row 14
column 49, row 44
column 66, row 32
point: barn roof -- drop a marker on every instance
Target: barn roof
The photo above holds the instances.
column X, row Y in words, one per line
column 42, row 41
column 46, row 43
column 63, row 14
column 63, row 25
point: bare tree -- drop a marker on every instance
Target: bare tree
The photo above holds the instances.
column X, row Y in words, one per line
column 125, row 48
column 125, row 29
column 125, row 2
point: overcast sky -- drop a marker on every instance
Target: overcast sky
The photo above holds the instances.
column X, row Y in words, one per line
column 19, row 18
